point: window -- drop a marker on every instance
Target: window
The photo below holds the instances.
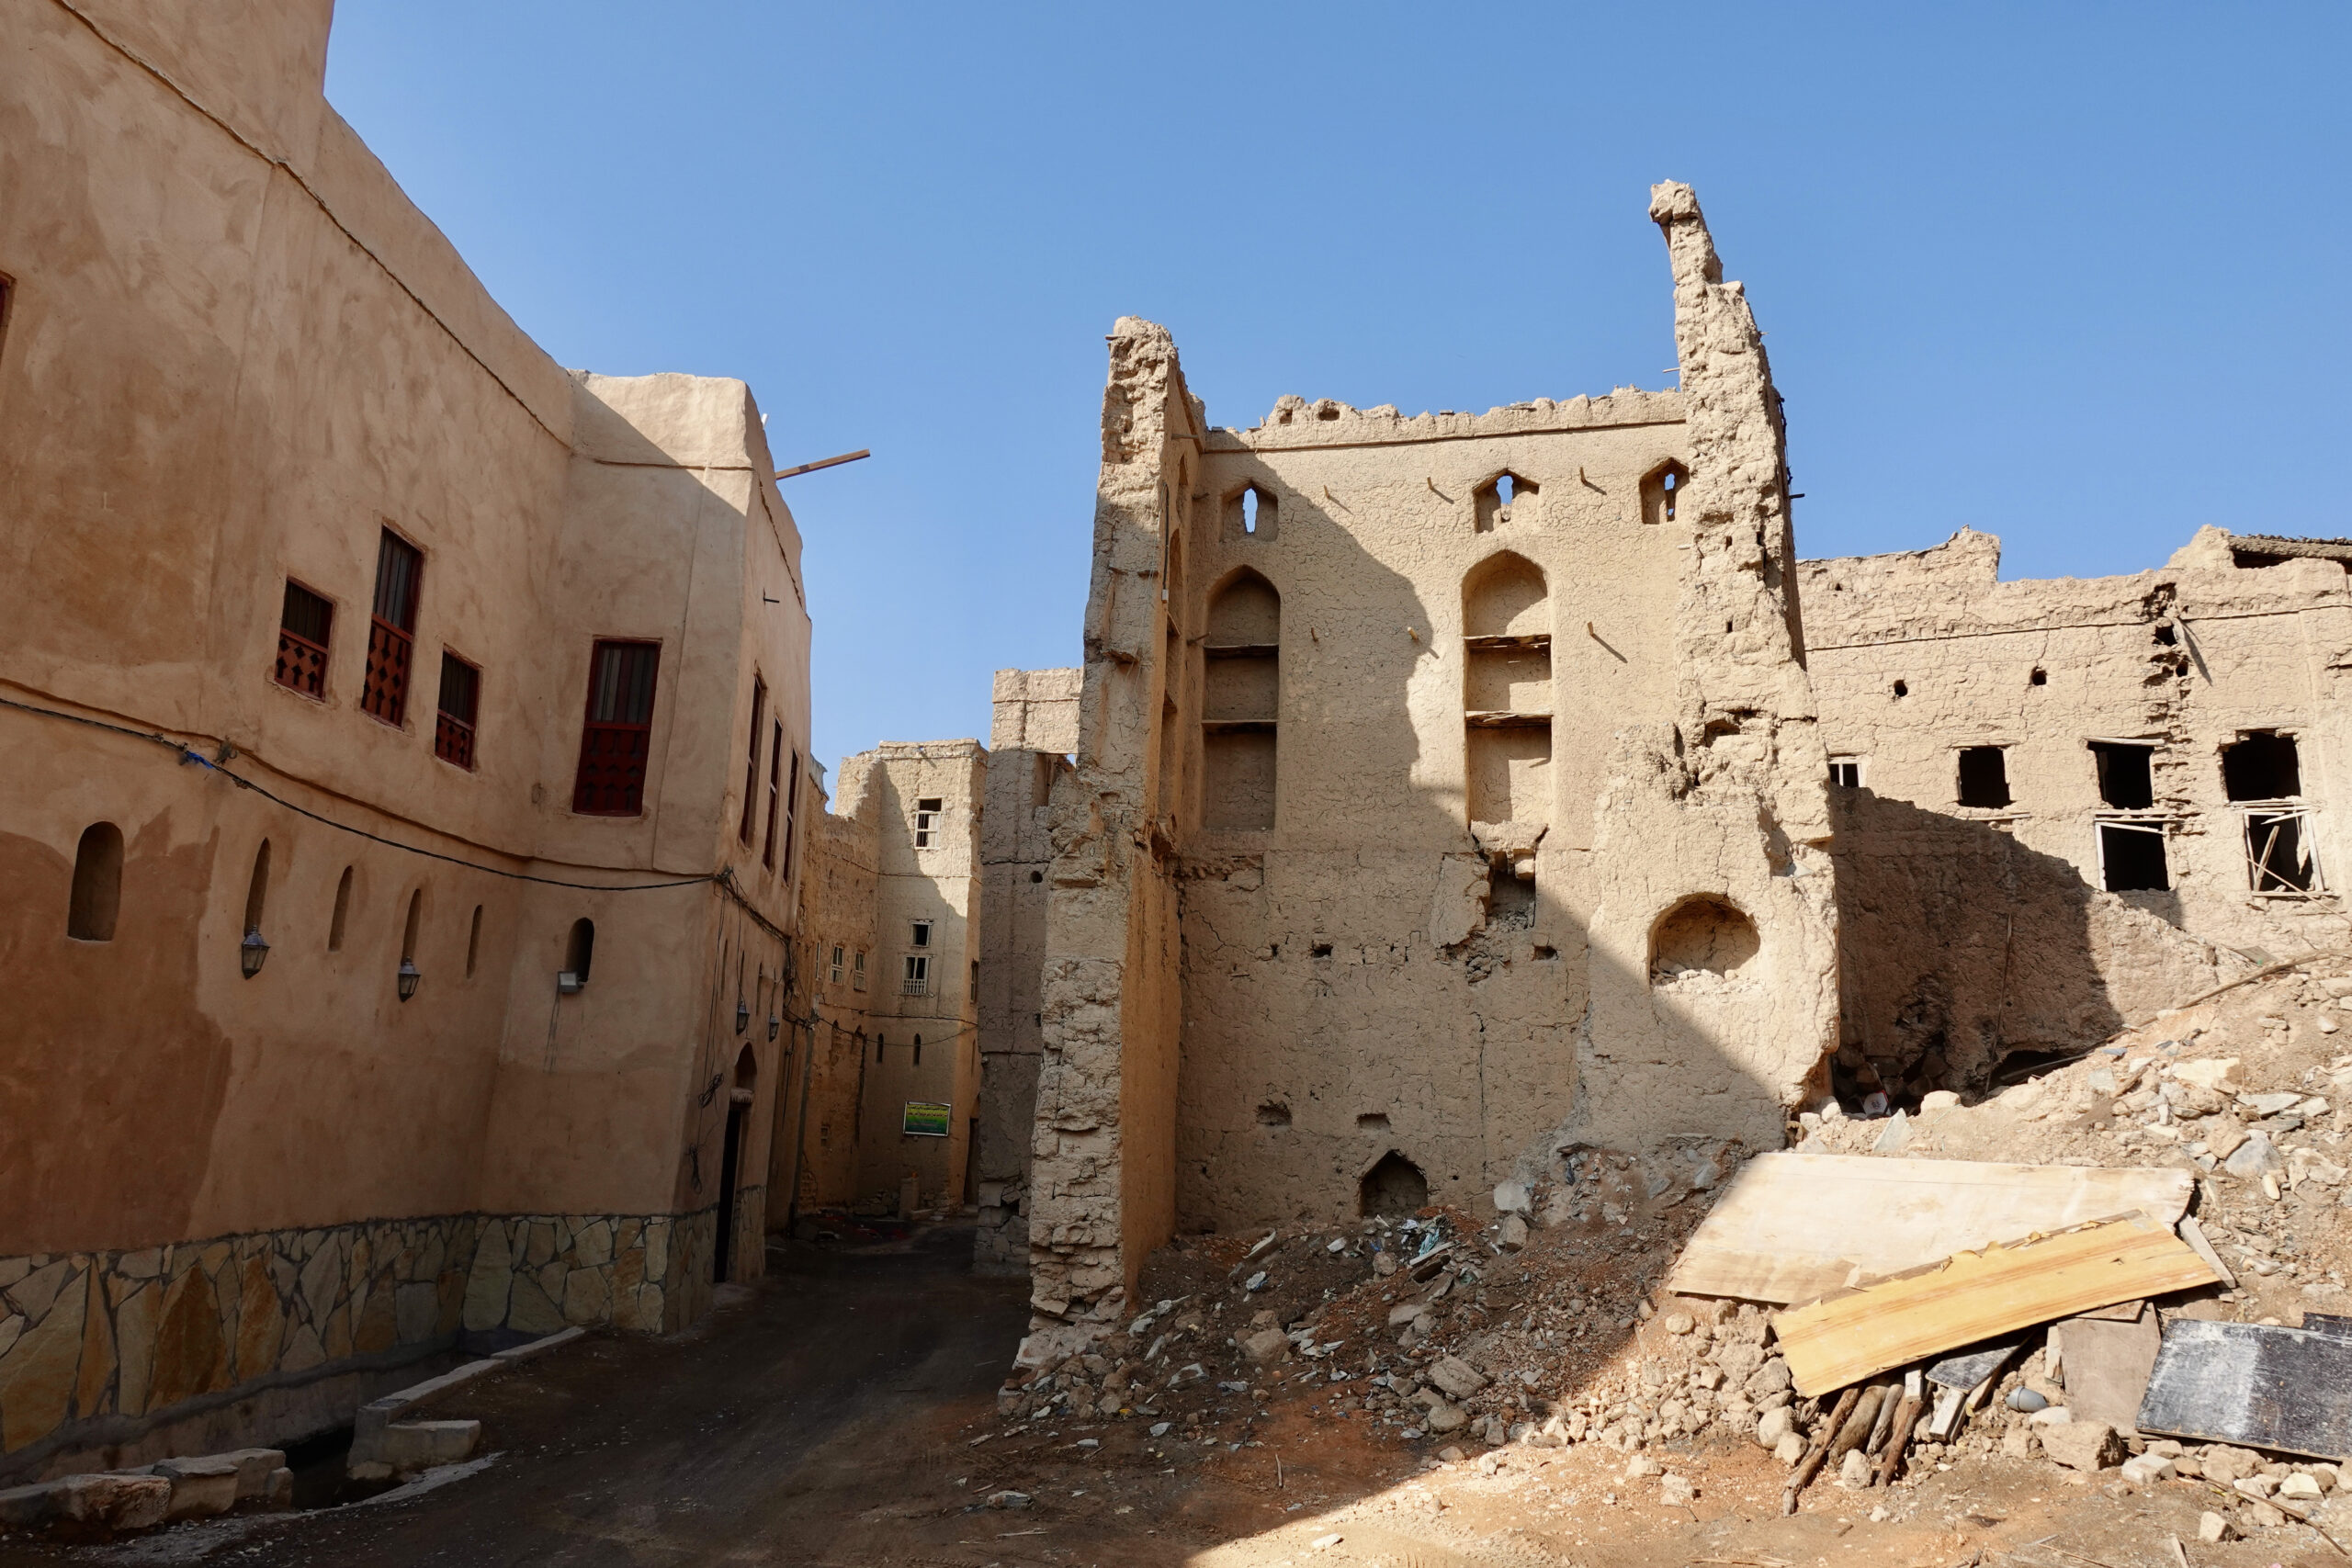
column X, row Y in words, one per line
column 1983, row 776
column 1662, row 492
column 2131, row 857
column 341, row 922
column 96, row 897
column 401, row 976
column 752, row 762
column 879, row 1044
column 473, row 943
column 918, row 976
column 926, row 820
column 922, row 937
column 1251, row 513
column 391, row 630
column 975, row 978
column 617, row 736
column 1845, row 773
column 1240, row 705
column 918, row 1050
column 2279, row 853
column 837, row 969
column 580, row 950
column 775, row 783
column 791, row 805
column 2262, row 765
column 257, row 890
column 1493, row 502
column 2126, row 775
column 303, row 627
column 453, row 725
column 857, row 971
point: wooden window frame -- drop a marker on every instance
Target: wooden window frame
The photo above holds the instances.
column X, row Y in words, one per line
column 616, row 754
column 301, row 666
column 392, row 645
column 453, row 737
column 776, row 787
column 752, row 764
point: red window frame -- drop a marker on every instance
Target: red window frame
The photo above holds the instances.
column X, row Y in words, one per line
column 392, row 629
column 453, row 726
column 776, row 771
column 616, row 732
column 302, row 659
column 752, row 766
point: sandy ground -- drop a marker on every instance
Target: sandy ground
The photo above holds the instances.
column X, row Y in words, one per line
column 827, row 1417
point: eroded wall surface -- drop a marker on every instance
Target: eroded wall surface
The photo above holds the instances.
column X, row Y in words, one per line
column 1447, row 794
column 1034, row 730
column 1976, row 930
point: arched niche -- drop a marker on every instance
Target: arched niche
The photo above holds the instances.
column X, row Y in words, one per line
column 1702, row 938
column 1240, row 704
column 1507, row 698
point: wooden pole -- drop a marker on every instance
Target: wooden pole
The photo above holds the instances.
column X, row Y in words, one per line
column 1906, row 1415
column 1822, row 1436
column 825, row 463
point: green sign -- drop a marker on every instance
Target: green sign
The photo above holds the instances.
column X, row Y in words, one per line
column 926, row 1120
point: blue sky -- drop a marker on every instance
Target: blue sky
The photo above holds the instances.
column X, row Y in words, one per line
column 2066, row 273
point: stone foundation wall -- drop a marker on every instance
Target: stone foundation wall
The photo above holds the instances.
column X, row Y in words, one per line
column 98, row 1348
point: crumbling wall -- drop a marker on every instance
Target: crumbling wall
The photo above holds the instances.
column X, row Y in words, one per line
column 1977, row 929
column 1432, row 723
column 837, row 912
column 1102, row 1167
column 1035, row 727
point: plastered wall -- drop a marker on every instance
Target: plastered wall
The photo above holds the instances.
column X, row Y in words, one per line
column 233, row 356
column 1976, row 931
column 1400, row 739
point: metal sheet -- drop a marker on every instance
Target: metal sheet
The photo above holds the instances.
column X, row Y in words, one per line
column 2288, row 1389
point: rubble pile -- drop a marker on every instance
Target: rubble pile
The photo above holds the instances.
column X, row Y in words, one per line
column 1552, row 1326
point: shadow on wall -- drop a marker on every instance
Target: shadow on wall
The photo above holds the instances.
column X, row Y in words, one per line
column 1959, row 946
column 1383, row 1004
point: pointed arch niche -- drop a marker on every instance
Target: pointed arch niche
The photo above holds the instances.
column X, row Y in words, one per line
column 1506, row 691
column 1241, row 701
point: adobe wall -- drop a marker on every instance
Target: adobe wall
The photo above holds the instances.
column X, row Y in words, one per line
column 924, row 1046
column 837, row 913
column 1414, row 773
column 232, row 354
column 1976, row 931
column 1033, row 728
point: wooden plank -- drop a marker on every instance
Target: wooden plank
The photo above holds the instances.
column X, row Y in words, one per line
column 2288, row 1389
column 1794, row 1227
column 1976, row 1295
column 2104, row 1365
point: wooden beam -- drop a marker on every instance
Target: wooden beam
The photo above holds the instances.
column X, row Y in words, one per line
column 825, row 463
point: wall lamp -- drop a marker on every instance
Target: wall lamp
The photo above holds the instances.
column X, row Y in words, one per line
column 742, row 1016
column 568, row 983
column 253, row 953
column 409, row 977
column 774, row 1024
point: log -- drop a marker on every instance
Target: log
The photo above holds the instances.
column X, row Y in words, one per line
column 1823, row 1435
column 1906, row 1417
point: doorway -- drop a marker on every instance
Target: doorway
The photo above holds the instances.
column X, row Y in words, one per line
column 731, row 1161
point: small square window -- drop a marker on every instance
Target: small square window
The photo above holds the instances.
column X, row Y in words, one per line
column 837, row 966
column 927, row 813
column 1983, row 777
column 302, row 628
column 453, row 724
column 923, row 933
column 1845, row 773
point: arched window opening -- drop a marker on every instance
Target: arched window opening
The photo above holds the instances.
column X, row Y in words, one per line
column 918, row 1050
column 879, row 1044
column 254, row 947
column 747, row 1070
column 580, row 951
column 1395, row 1189
column 1662, row 492
column 473, row 943
column 1251, row 513
column 339, row 922
column 1497, row 501
column 1240, row 705
column 1703, row 938
column 1507, row 705
column 96, row 897
column 408, row 975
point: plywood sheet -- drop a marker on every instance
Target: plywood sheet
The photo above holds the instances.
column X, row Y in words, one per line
column 2288, row 1389
column 1976, row 1295
column 2104, row 1365
column 1794, row 1227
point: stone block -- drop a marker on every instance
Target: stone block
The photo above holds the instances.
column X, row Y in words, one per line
column 255, row 1467
column 1266, row 1348
column 201, row 1488
column 587, row 1296
column 1456, row 1377
column 488, row 1282
column 2148, row 1470
column 2082, row 1445
column 411, row 1446
column 191, row 1355
column 2213, row 1528
column 118, row 1503
column 1444, row 1418
column 38, row 1373
column 531, row 1310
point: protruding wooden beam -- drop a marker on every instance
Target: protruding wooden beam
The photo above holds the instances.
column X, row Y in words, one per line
column 825, row 463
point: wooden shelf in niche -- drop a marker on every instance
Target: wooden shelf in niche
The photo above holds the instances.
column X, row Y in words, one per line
column 1241, row 650
column 1530, row 642
column 1493, row 720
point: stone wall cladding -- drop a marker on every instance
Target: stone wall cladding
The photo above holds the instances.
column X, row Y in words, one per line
column 98, row 1348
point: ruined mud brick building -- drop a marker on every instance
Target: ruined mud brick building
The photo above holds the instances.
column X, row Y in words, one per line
column 889, row 906
column 2063, row 804
column 358, row 655
column 1447, row 793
